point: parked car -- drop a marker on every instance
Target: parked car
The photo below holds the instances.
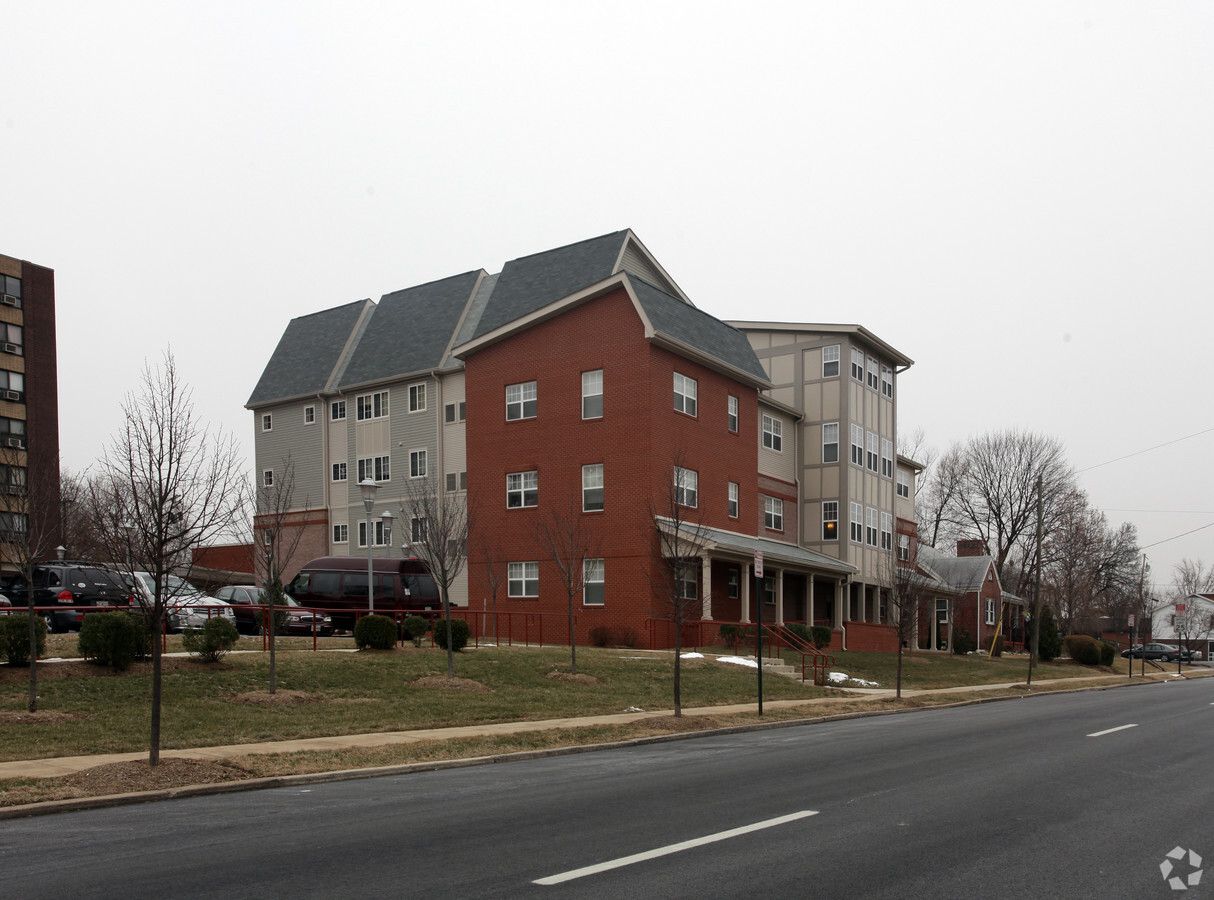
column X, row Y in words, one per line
column 1157, row 651
column 6, row 605
column 249, row 605
column 338, row 585
column 185, row 606
column 60, row 588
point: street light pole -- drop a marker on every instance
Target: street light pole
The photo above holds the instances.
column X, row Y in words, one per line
column 369, row 489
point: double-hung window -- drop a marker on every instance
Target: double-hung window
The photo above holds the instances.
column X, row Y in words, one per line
column 887, row 531
column 887, row 382
column 887, row 457
column 594, row 577
column 372, row 406
column 418, row 529
column 309, row 415
column 990, row 611
column 337, row 410
column 830, row 361
column 375, row 467
column 830, row 520
column 830, row 442
column 339, row 471
column 773, row 513
column 522, row 489
column 417, row 397
column 903, row 487
column 857, row 445
column 592, row 487
column 684, row 394
column 870, row 530
column 732, row 419
column 733, row 499
column 873, row 368
column 857, row 364
column 873, row 444
column 856, row 522
column 686, row 486
column 341, row 534
column 904, row 547
column 773, row 433
column 417, row 463
column 523, row 579
column 521, row 401
column 592, row 394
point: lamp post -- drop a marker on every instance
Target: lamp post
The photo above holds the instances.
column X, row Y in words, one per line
column 369, row 488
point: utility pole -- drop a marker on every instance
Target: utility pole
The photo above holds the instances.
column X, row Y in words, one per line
column 1036, row 589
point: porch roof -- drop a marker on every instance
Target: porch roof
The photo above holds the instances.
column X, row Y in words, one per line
column 776, row 553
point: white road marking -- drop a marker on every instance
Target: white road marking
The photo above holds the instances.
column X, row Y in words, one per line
column 673, row 848
column 1111, row 730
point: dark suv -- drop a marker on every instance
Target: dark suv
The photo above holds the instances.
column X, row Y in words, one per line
column 60, row 586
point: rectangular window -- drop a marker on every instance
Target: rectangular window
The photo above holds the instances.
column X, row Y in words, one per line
column 990, row 611
column 523, row 579
column 522, row 489
column 687, row 587
column 417, row 463
column 309, row 415
column 339, row 471
column 857, row 445
column 735, row 584
column 887, row 382
column 418, row 529
column 887, row 531
column 686, row 486
column 341, row 534
column 830, row 442
column 769, row 589
column 267, row 478
column 857, row 364
column 830, row 361
column 773, row 513
column 830, row 520
column 887, row 457
column 521, row 401
column 773, row 433
column 870, row 530
column 375, row 467
column 856, row 522
column 372, row 406
column 267, row 422
column 685, row 390
column 733, row 413
column 873, row 368
column 417, row 397
column 455, row 412
column 733, row 500
column 904, row 547
column 383, row 534
column 594, row 576
column 873, row 444
column 451, row 481
column 592, row 487
column 903, row 484
column 592, row 394
column 337, row 410
column 942, row 610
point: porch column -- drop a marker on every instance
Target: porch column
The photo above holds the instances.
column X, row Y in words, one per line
column 779, row 577
column 809, row 600
column 746, row 576
column 863, row 604
column 840, row 598
column 706, row 590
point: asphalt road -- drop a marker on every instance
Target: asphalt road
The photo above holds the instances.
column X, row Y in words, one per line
column 1031, row 798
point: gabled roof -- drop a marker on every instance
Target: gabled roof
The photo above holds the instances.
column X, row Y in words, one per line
column 961, row 573
column 777, row 553
column 308, row 354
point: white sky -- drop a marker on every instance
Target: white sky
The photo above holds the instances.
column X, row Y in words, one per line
column 1018, row 195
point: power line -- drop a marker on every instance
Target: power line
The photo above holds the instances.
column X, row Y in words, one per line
column 1148, row 449
column 1177, row 536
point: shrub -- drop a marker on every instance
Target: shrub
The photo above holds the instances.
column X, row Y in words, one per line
column 375, row 632
column 15, row 638
column 728, row 634
column 415, row 628
column 998, row 642
column 616, row 636
column 212, row 641
column 459, row 634
column 1082, row 648
column 821, row 636
column 1049, row 642
column 800, row 631
column 963, row 642
column 1108, row 653
column 111, row 639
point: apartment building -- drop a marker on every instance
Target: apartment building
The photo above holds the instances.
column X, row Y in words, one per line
column 29, row 412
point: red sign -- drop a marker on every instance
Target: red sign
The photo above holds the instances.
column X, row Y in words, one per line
column 758, row 564
column 1180, row 607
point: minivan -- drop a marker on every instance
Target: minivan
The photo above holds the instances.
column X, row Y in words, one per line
column 338, row 585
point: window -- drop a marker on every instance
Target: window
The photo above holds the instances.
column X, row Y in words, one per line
column 870, row 530
column 684, row 394
column 417, row 397
column 830, row 442
column 339, row 471
column 12, row 479
column 856, row 522
column 904, row 547
column 887, row 382
column 830, row 361
column 830, row 520
column 523, row 579
column 887, row 531
column 11, row 335
column 12, row 381
column 383, row 533
column 773, row 513
column 887, row 457
column 773, row 433
column 686, row 486
column 733, row 500
column 267, row 422
column 735, row 584
column 455, row 412
column 594, row 573
column 872, row 372
column 341, row 534
column 903, row 484
column 375, row 468
column 990, row 611
column 873, row 443
column 592, row 394
column 769, row 589
column 451, row 482
column 733, row 413
column 942, row 610
column 687, row 586
column 337, row 410
column 11, row 288
column 418, row 529
column 857, row 364
column 309, row 415
column 13, row 429
column 267, row 478
column 857, row 445
column 592, row 487
column 520, row 401
column 417, row 463
column 372, row 406
column 522, row 489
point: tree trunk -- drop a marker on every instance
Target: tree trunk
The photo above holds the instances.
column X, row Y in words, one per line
column 572, row 640
column 33, row 697
column 154, row 732
column 450, row 643
column 678, row 668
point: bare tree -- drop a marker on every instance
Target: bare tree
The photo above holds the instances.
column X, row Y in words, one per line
column 936, row 492
column 491, row 572
column 279, row 540
column 29, row 532
column 439, row 524
column 171, row 484
column 681, row 540
column 1191, row 576
column 565, row 541
column 906, row 589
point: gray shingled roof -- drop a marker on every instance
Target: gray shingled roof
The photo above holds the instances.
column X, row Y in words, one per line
column 307, row 354
column 409, row 330
column 532, row 282
column 683, row 322
column 962, row 573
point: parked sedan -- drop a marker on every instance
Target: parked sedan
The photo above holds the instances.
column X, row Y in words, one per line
column 6, row 605
column 249, row 604
column 184, row 606
column 1157, row 651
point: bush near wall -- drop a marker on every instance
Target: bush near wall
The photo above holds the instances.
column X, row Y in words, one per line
column 459, row 634
column 15, row 638
column 112, row 639
column 1083, row 649
column 618, row 636
column 375, row 633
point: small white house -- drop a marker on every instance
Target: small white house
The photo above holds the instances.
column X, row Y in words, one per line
column 1189, row 622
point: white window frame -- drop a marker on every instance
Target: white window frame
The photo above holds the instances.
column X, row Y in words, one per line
column 857, row 364
column 903, row 484
column 773, row 434
column 686, row 487
column 419, row 529
column 732, row 418
column 904, row 547
column 371, row 406
column 267, row 421
column 339, row 471
column 830, row 357
column 341, row 533
column 830, row 442
column 592, row 389
column 873, row 369
column 373, row 467
column 592, row 482
column 337, row 410
column 686, row 392
column 773, row 513
column 523, row 486
column 857, row 445
column 733, row 499
column 594, row 582
column 873, row 457
column 887, row 530
column 871, row 528
column 830, row 520
column 454, row 413
column 418, row 463
column 989, row 607
column 417, row 397
column 267, row 478
column 523, row 579
column 887, row 458
column 309, row 415
column 855, row 522
column 887, row 382
column 522, row 401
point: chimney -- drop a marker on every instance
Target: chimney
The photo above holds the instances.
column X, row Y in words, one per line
column 971, row 547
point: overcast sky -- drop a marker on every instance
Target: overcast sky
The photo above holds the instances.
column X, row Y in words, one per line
column 1018, row 196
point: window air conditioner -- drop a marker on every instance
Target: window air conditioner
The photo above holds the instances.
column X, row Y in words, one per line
column 11, row 395
column 16, row 442
column 10, row 348
column 9, row 300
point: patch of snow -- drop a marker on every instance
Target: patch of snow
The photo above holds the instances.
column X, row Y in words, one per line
column 693, row 656
column 634, row 709
column 738, row 661
column 842, row 677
